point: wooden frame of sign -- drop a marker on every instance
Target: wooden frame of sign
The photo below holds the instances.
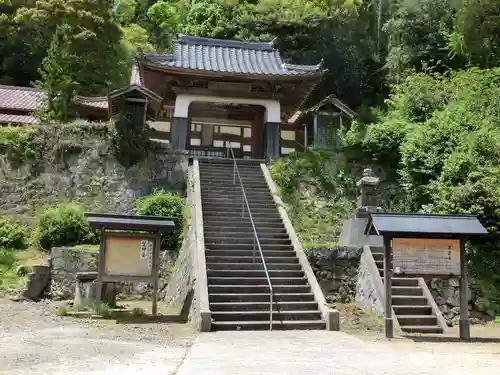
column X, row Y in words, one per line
column 129, row 256
column 425, row 244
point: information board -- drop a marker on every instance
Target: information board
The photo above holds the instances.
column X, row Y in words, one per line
column 426, row 256
column 128, row 256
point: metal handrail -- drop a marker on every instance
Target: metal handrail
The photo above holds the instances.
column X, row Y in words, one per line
column 256, row 240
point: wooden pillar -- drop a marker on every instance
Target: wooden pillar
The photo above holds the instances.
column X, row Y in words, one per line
column 389, row 323
column 155, row 273
column 273, row 139
column 257, row 137
column 464, row 300
column 179, row 133
column 100, row 273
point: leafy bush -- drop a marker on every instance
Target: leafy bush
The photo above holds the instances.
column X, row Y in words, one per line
column 61, row 225
column 7, row 258
column 11, row 234
column 163, row 203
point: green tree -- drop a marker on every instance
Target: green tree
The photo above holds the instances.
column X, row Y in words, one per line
column 57, row 78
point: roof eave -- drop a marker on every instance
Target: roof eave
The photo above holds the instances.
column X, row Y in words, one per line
column 167, row 69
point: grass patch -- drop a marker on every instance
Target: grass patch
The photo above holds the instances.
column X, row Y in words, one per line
column 356, row 320
column 63, row 311
column 497, row 320
column 12, row 261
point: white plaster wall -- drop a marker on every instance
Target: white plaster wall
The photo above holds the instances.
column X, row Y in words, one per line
column 182, row 102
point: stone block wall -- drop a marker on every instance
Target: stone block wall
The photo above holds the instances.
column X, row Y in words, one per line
column 66, row 262
column 336, row 270
column 85, row 170
column 446, row 293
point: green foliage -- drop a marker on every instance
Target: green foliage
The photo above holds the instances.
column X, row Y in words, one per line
column 130, row 140
column 61, row 225
column 63, row 311
column 12, row 235
column 162, row 203
column 440, row 134
column 15, row 142
column 318, row 188
column 7, row 258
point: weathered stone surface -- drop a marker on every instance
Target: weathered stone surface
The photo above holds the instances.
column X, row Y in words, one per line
column 366, row 295
column 67, row 262
column 336, row 269
column 446, row 293
column 91, row 175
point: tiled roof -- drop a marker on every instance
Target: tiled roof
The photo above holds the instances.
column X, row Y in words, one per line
column 229, row 56
column 91, row 101
column 17, row 119
column 21, row 98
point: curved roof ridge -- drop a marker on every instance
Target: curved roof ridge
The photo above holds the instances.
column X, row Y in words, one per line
column 229, row 43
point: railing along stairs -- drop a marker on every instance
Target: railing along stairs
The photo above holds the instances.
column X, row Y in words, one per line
column 256, row 241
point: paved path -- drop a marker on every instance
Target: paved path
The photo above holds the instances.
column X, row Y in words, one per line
column 80, row 350
column 320, row 352
column 63, row 351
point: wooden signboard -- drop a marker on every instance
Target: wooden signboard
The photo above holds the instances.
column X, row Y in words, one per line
column 426, row 256
column 131, row 256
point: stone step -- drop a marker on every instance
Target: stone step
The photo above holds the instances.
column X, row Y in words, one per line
column 260, row 297
column 407, row 291
column 244, row 226
column 223, row 187
column 248, row 253
column 412, row 310
column 250, row 239
column 237, row 213
column 257, row 289
column 249, row 259
column 237, row 220
column 250, row 266
column 263, row 306
column 247, row 246
column 253, row 273
column 231, row 316
column 229, row 233
column 403, row 281
column 378, row 257
column 263, row 201
column 206, row 183
column 264, row 326
column 275, row 281
column 236, row 205
column 422, row 329
column 417, row 320
column 409, row 301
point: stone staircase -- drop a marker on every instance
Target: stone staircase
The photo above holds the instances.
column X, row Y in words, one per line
column 237, row 286
column 412, row 308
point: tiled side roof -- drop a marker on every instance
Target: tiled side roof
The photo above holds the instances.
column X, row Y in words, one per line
column 229, row 56
column 91, row 101
column 17, row 119
column 21, row 98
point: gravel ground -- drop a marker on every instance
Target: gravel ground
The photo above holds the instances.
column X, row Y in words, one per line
column 33, row 340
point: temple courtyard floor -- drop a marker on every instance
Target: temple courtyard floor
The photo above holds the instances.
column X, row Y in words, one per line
column 33, row 340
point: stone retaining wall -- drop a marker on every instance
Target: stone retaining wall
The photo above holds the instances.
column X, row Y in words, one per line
column 66, row 262
column 336, row 270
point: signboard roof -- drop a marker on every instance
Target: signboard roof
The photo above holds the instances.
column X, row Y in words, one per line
column 423, row 224
column 130, row 222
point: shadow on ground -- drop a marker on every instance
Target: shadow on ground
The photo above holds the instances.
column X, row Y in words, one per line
column 445, row 339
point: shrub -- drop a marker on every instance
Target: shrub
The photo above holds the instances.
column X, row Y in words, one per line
column 163, row 203
column 11, row 234
column 7, row 258
column 61, row 225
